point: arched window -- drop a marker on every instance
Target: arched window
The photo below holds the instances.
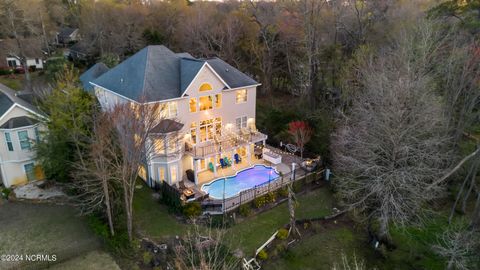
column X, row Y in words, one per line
column 205, row 87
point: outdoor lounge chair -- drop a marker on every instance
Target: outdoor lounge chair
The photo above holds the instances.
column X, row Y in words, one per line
column 227, row 161
column 237, row 158
column 210, row 167
column 222, row 163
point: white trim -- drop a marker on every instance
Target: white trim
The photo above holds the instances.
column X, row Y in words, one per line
column 165, row 100
column 115, row 93
column 8, row 111
column 166, row 162
column 241, row 87
column 196, row 75
column 17, row 160
column 214, row 72
column 30, row 110
column 14, row 129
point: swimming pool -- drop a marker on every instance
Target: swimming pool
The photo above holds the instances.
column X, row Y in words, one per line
column 243, row 180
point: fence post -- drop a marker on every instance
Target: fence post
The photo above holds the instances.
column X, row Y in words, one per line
column 240, row 198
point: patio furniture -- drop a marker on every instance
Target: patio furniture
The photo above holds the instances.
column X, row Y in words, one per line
column 210, row 167
column 227, row 161
column 237, row 158
column 222, row 163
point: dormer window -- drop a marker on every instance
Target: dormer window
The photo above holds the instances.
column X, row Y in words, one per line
column 205, row 87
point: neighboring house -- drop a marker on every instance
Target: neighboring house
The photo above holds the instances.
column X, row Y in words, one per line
column 19, row 130
column 32, row 48
column 67, row 35
column 208, row 104
column 78, row 52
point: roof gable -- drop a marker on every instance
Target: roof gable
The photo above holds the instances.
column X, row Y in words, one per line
column 149, row 75
column 155, row 74
column 232, row 76
column 189, row 68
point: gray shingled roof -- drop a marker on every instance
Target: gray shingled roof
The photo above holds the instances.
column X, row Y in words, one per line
column 65, row 32
column 156, row 73
column 5, row 103
column 188, row 69
column 167, row 126
column 91, row 74
column 16, row 122
column 232, row 76
column 9, row 96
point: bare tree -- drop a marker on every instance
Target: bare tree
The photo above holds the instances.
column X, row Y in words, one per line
column 394, row 143
column 134, row 123
column 460, row 247
column 350, row 263
column 95, row 176
column 205, row 249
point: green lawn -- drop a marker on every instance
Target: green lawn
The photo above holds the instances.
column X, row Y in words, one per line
column 320, row 251
column 152, row 218
column 44, row 229
column 15, row 82
column 95, row 260
column 254, row 231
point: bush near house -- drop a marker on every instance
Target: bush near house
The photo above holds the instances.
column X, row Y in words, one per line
column 262, row 255
column 192, row 209
column 282, row 234
column 245, row 210
column 265, row 199
column 5, row 192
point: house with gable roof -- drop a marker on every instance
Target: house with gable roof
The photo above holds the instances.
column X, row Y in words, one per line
column 208, row 102
column 19, row 131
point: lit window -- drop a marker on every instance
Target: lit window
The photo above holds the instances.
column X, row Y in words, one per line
column 218, row 100
column 193, row 132
column 172, row 109
column 159, row 146
column 218, row 126
column 241, row 96
column 9, row 141
column 206, row 103
column 24, row 141
column 205, row 87
column 193, row 105
column 169, row 110
column 161, row 173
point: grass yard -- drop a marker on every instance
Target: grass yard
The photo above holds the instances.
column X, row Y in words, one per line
column 13, row 81
column 45, row 229
column 320, row 251
column 255, row 230
column 95, row 260
column 152, row 218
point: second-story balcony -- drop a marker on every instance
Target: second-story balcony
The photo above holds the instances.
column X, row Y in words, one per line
column 225, row 143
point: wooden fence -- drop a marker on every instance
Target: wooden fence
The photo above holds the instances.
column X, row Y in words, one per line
column 219, row 206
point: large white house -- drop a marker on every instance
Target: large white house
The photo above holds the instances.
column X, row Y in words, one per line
column 19, row 130
column 209, row 104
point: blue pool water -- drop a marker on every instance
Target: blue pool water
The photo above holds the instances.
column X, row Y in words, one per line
column 245, row 179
